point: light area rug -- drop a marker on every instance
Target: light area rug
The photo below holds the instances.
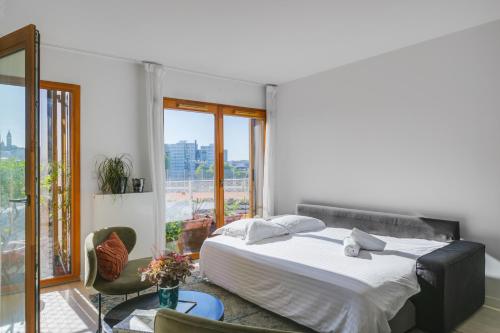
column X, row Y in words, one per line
column 236, row 309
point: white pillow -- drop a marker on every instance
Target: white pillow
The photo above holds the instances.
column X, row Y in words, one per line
column 259, row 229
column 299, row 223
column 367, row 241
column 351, row 248
column 235, row 229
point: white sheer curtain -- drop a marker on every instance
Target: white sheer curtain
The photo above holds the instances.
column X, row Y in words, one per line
column 154, row 110
column 268, row 186
column 258, row 128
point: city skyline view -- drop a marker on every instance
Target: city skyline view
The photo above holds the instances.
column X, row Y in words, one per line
column 12, row 98
column 191, row 126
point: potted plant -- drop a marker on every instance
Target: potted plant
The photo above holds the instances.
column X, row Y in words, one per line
column 113, row 173
column 197, row 229
column 173, row 241
column 231, row 208
column 167, row 271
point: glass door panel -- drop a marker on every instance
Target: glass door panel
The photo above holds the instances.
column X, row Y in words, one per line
column 237, row 169
column 12, row 191
column 243, row 167
column 59, row 186
column 18, row 181
column 190, row 178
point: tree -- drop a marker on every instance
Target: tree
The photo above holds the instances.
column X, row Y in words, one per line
column 228, row 170
column 204, row 171
column 11, row 180
column 241, row 173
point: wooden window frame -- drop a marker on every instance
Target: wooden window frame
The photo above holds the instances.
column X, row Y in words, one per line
column 26, row 39
column 75, row 182
column 219, row 111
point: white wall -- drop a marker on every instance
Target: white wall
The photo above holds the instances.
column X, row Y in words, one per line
column 112, row 103
column 131, row 209
column 412, row 131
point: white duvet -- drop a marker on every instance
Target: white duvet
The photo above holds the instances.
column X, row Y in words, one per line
column 307, row 278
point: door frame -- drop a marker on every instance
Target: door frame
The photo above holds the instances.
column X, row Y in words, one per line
column 219, row 111
column 74, row 89
column 26, row 39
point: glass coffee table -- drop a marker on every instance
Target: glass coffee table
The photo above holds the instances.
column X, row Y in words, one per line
column 137, row 314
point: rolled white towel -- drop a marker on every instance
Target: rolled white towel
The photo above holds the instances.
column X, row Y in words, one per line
column 351, row 248
column 367, row 241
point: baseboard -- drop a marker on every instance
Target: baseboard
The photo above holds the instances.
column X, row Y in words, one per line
column 493, row 302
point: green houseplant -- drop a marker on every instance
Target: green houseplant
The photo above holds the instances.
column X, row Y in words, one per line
column 113, row 174
column 173, row 231
column 167, row 271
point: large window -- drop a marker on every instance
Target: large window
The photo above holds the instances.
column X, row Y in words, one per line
column 213, row 164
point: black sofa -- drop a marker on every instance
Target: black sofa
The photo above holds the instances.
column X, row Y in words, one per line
column 452, row 278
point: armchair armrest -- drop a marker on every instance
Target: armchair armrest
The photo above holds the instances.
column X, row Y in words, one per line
column 452, row 281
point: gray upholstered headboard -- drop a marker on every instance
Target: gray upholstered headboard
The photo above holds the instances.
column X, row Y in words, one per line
column 383, row 224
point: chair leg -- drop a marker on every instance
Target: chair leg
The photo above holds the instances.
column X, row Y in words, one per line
column 126, row 296
column 137, row 293
column 99, row 323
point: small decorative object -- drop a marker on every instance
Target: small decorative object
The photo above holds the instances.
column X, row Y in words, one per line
column 138, row 185
column 173, row 241
column 113, row 173
column 167, row 271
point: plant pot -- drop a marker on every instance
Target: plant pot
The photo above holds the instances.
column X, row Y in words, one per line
column 180, row 245
column 232, row 218
column 169, row 297
column 120, row 186
column 195, row 233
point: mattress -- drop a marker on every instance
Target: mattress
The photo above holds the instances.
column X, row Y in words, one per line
column 306, row 278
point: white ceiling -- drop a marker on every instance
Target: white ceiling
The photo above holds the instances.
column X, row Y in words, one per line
column 264, row 41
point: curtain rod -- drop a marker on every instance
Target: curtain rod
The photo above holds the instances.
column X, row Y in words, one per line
column 135, row 61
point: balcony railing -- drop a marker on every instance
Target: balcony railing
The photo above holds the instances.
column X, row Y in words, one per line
column 192, row 203
column 194, row 186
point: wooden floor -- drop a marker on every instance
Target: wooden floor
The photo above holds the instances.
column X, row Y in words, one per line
column 66, row 309
column 486, row 320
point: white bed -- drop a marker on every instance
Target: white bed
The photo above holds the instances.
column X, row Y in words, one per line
column 306, row 278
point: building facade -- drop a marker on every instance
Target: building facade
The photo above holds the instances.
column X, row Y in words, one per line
column 183, row 158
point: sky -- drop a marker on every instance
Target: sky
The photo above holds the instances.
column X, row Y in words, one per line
column 12, row 113
column 179, row 125
column 190, row 126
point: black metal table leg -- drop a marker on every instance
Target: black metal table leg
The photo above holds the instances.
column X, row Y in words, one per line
column 99, row 322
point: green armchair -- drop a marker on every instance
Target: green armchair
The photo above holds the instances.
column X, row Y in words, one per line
column 170, row 321
column 129, row 280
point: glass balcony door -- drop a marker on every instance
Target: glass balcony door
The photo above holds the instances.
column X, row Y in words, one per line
column 243, row 155
column 213, row 161
column 190, row 179
column 60, row 183
column 19, row 181
column 241, row 162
